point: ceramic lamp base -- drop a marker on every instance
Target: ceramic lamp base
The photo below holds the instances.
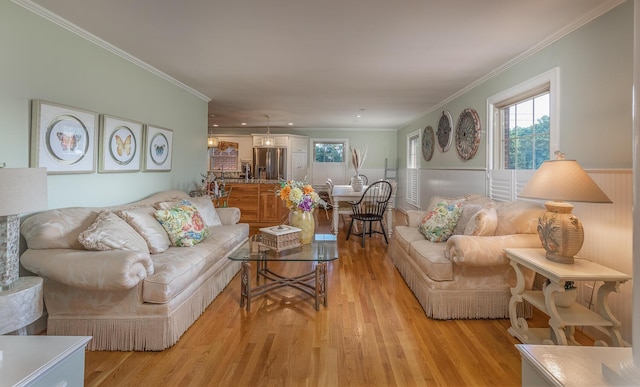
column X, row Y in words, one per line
column 9, row 246
column 560, row 232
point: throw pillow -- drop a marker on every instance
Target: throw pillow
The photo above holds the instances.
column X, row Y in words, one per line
column 183, row 224
column 142, row 220
column 483, row 222
column 435, row 200
column 205, row 207
column 109, row 232
column 437, row 225
column 468, row 210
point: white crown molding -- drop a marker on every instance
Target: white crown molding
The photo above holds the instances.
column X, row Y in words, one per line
column 52, row 17
column 594, row 14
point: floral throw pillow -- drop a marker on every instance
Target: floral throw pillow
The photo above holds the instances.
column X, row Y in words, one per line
column 438, row 224
column 183, row 224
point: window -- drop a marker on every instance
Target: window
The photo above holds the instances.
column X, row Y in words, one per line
column 224, row 157
column 413, row 169
column 526, row 132
column 523, row 133
column 329, row 152
column 524, row 123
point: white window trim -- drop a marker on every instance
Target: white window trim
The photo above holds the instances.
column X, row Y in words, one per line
column 553, row 78
column 416, row 171
column 312, row 155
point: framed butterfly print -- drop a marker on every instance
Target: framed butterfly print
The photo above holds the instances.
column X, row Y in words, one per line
column 120, row 145
column 158, row 146
column 63, row 138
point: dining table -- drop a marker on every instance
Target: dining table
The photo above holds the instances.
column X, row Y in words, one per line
column 343, row 194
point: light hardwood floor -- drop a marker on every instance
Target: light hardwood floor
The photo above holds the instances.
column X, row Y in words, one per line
column 373, row 332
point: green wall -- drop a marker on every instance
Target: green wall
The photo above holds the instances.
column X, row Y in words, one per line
column 41, row 60
column 595, row 127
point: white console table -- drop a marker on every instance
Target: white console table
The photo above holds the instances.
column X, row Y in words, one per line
column 42, row 360
column 562, row 320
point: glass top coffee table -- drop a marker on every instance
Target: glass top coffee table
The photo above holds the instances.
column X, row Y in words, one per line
column 323, row 248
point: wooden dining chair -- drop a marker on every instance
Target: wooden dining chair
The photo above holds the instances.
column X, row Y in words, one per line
column 370, row 208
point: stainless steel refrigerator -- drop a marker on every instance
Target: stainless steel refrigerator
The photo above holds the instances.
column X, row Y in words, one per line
column 270, row 163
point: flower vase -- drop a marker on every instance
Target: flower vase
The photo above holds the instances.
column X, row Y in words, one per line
column 305, row 222
column 356, row 183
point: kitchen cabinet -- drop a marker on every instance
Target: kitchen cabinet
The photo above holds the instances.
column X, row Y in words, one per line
column 272, row 209
column 245, row 197
column 259, row 206
column 299, row 165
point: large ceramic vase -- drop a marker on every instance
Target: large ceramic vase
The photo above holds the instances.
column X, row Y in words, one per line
column 357, row 183
column 305, row 222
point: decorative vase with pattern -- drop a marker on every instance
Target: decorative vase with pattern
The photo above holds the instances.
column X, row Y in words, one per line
column 304, row 221
column 356, row 183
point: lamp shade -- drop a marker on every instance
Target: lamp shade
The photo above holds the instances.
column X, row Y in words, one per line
column 563, row 180
column 22, row 190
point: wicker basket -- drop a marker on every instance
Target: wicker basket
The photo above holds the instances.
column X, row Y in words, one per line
column 280, row 238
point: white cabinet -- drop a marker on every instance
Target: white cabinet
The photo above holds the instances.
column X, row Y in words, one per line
column 299, row 165
column 281, row 140
column 42, row 360
column 299, row 144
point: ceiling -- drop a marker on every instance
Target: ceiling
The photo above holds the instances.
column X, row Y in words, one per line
column 321, row 64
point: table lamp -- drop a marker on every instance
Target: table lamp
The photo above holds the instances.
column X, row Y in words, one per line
column 561, row 232
column 22, row 190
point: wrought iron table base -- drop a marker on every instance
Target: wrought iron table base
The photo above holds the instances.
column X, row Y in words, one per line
column 318, row 289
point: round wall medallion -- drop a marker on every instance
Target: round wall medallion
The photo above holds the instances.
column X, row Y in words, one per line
column 445, row 131
column 468, row 134
column 428, row 142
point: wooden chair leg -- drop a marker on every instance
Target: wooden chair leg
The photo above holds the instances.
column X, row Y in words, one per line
column 349, row 232
column 383, row 232
column 364, row 231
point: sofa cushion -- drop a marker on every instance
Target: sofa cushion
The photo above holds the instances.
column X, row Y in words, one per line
column 183, row 224
column 439, row 223
column 483, row 222
column 176, row 268
column 430, row 258
column 110, row 232
column 57, row 228
column 142, row 220
column 405, row 235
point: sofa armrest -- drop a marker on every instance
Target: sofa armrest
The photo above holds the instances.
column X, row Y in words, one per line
column 228, row 215
column 84, row 269
column 468, row 250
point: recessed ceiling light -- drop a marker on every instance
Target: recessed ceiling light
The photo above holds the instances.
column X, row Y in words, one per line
column 358, row 116
column 290, row 124
column 243, row 123
column 215, row 125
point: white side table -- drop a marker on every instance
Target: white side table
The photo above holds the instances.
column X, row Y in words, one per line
column 562, row 320
column 42, row 360
column 21, row 305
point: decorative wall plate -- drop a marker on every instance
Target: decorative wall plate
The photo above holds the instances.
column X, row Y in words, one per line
column 468, row 134
column 428, row 142
column 445, row 131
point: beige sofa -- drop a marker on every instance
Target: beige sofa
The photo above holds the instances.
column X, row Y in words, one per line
column 128, row 300
column 468, row 276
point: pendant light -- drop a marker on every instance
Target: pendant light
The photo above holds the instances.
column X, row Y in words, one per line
column 268, row 140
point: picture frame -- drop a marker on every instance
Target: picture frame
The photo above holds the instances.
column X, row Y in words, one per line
column 158, row 147
column 63, row 138
column 120, row 145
